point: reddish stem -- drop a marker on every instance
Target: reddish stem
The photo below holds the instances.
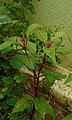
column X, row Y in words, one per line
column 36, row 77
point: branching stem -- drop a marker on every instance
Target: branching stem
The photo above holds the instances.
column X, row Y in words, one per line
column 36, row 77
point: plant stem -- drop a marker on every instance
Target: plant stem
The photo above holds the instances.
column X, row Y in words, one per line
column 38, row 75
column 36, row 82
column 41, row 66
column 34, row 77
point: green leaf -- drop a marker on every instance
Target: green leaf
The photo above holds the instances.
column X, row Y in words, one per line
column 1, row 96
column 30, row 62
column 17, row 62
column 7, row 80
column 49, row 80
column 5, row 67
column 59, row 34
column 4, row 19
column 50, row 77
column 56, row 39
column 12, row 101
column 43, row 107
column 28, row 5
column 23, row 103
column 70, row 107
column 20, row 78
column 7, row 49
column 18, row 90
column 38, row 31
column 64, row 50
column 37, row 116
column 5, row 89
column 4, row 11
column 51, row 53
column 41, row 35
column 32, row 29
column 5, row 106
column 68, row 79
column 8, row 42
column 68, row 117
column 59, row 76
column 28, row 97
column 31, row 47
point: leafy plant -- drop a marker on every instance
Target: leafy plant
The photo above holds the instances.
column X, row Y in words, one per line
column 27, row 54
column 34, row 52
